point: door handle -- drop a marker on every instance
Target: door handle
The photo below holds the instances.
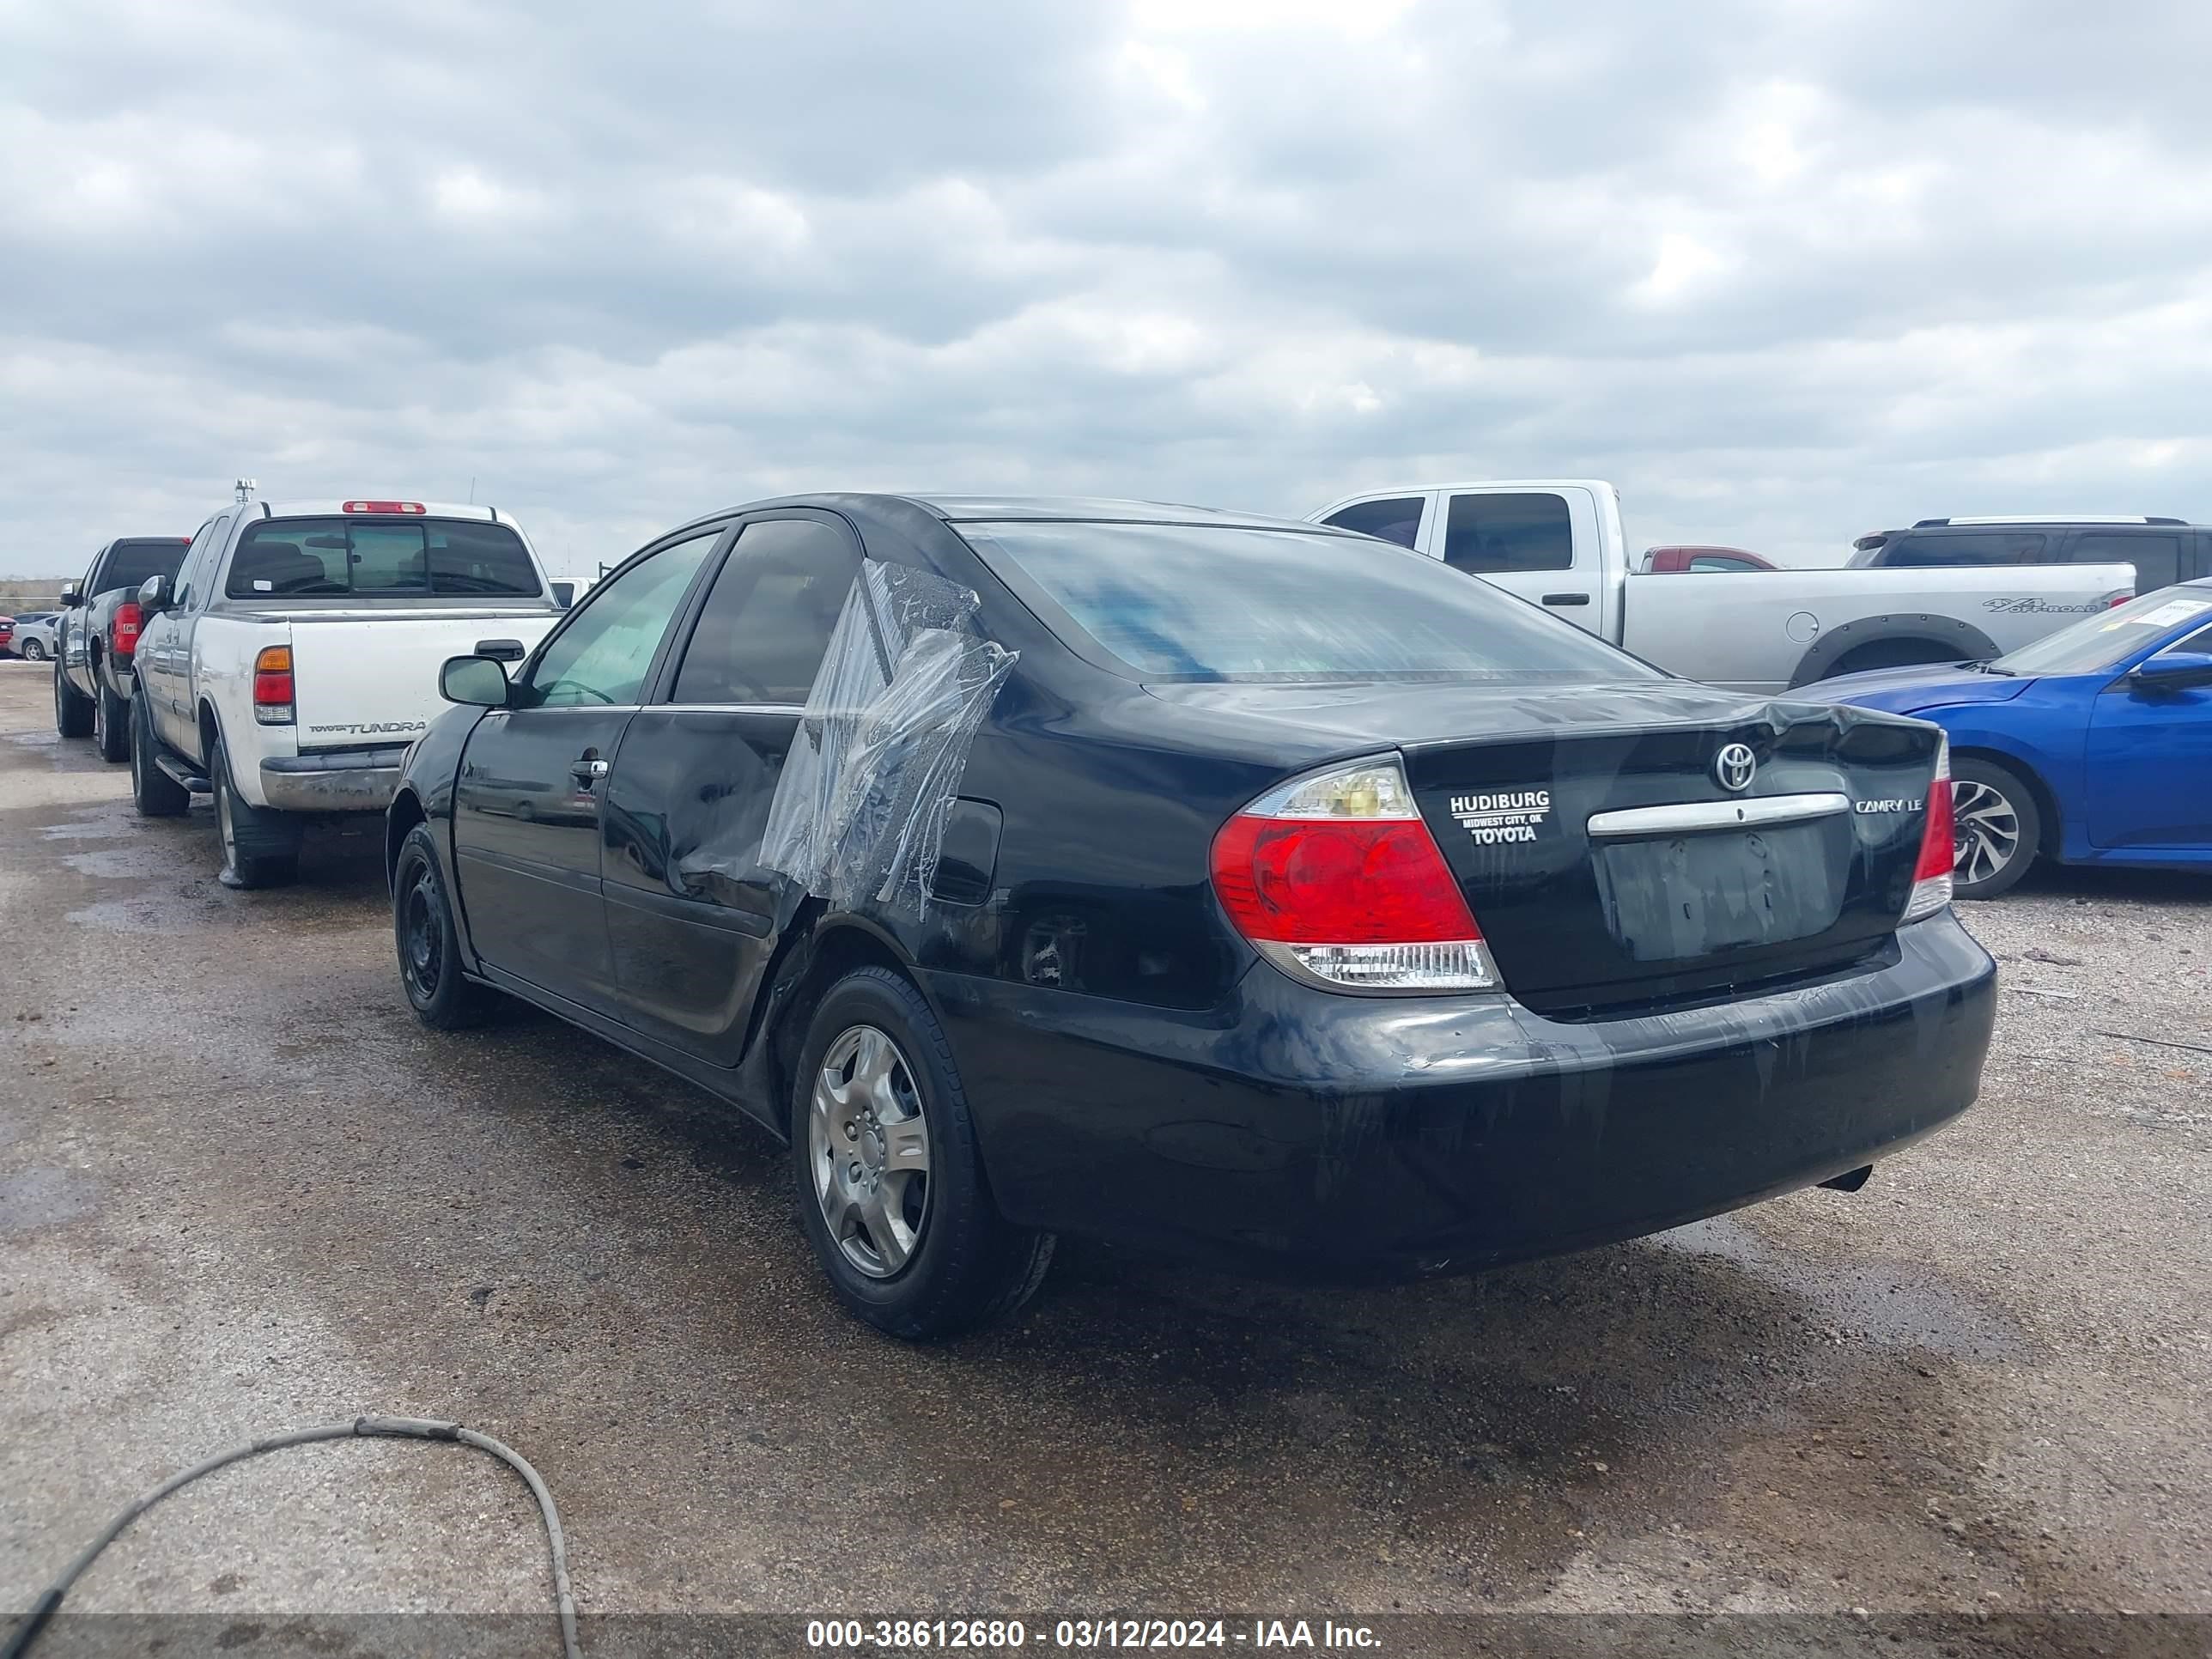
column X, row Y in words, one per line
column 501, row 650
column 1566, row 598
column 587, row 771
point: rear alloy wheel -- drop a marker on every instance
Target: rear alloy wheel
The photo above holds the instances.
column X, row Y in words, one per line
column 260, row 848
column 1996, row 828
column 441, row 994
column 33, row 651
column 110, row 725
column 891, row 1189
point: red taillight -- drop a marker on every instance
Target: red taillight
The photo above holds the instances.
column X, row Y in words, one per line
column 1335, row 880
column 273, row 685
column 123, row 628
column 1931, row 877
column 2120, row 599
column 408, row 508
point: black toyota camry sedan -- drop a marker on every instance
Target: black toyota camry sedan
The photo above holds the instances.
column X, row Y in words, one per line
column 1265, row 892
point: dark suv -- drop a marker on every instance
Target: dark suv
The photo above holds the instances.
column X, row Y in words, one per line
column 2164, row 551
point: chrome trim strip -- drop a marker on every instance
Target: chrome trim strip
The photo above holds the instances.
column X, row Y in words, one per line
column 1679, row 816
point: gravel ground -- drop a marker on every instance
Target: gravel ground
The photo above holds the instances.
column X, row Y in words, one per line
column 240, row 1191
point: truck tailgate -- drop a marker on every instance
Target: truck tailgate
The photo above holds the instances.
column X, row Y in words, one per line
column 359, row 682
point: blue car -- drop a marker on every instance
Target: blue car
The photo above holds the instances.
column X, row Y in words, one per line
column 2090, row 746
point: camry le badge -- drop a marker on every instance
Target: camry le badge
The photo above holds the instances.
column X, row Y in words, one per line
column 1733, row 767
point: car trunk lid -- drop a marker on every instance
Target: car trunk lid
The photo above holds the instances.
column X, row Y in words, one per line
column 1608, row 856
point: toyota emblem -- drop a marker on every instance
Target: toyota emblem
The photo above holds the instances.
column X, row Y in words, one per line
column 1734, row 766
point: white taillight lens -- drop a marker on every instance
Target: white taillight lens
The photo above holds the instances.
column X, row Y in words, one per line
column 1931, row 878
column 1335, row 880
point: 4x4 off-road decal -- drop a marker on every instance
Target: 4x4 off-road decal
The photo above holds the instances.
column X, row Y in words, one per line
column 1510, row 815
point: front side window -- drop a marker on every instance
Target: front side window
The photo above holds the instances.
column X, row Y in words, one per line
column 2157, row 559
column 1251, row 603
column 766, row 620
column 1922, row 552
column 381, row 558
column 1493, row 535
column 1398, row 519
column 606, row 650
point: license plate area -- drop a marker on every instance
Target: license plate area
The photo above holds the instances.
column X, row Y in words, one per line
column 1676, row 898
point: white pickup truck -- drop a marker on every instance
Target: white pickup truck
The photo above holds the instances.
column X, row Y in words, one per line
column 1558, row 543
column 294, row 656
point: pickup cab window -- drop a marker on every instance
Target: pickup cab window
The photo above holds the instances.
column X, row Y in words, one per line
column 1496, row 533
column 129, row 563
column 1397, row 520
column 381, row 558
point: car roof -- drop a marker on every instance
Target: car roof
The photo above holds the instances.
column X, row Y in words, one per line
column 333, row 509
column 956, row 509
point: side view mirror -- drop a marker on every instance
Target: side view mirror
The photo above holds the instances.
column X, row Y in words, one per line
column 2174, row 670
column 477, row 680
column 154, row 594
column 72, row 596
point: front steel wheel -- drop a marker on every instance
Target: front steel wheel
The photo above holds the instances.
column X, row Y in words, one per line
column 868, row 1146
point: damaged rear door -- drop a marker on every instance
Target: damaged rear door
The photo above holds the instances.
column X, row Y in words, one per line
column 691, row 913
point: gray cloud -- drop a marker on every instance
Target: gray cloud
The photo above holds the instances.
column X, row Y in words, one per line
column 1784, row 273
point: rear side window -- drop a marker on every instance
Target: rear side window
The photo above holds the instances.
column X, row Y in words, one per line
column 1487, row 534
column 131, row 562
column 1207, row 602
column 1920, row 552
column 1398, row 519
column 767, row 621
column 381, row 558
column 2157, row 559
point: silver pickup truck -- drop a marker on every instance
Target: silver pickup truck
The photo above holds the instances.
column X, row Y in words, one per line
column 295, row 655
column 1559, row 542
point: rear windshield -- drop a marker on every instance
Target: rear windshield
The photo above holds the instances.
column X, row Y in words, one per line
column 130, row 563
column 1207, row 602
column 381, row 558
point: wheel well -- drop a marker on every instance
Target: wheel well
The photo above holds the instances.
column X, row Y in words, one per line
column 1895, row 651
column 2047, row 803
column 818, row 957
column 211, row 732
column 406, row 812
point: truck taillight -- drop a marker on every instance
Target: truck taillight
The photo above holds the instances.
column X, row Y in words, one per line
column 1931, row 877
column 2119, row 599
column 1335, row 880
column 273, row 685
column 123, row 630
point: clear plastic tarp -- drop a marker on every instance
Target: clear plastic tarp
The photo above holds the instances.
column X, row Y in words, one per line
column 859, row 813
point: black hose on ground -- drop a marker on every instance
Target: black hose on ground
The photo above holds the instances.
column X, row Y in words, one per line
column 398, row 1428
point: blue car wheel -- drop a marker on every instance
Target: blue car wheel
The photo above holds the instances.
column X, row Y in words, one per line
column 1996, row 828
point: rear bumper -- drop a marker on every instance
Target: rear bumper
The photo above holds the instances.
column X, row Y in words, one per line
column 1320, row 1132
column 332, row 780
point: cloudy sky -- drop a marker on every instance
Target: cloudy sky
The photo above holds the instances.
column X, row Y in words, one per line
column 1785, row 269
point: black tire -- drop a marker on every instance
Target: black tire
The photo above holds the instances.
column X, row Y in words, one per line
column 72, row 708
column 260, row 848
column 155, row 793
column 111, row 725
column 1998, row 828
column 965, row 1266
column 35, row 651
column 440, row 991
